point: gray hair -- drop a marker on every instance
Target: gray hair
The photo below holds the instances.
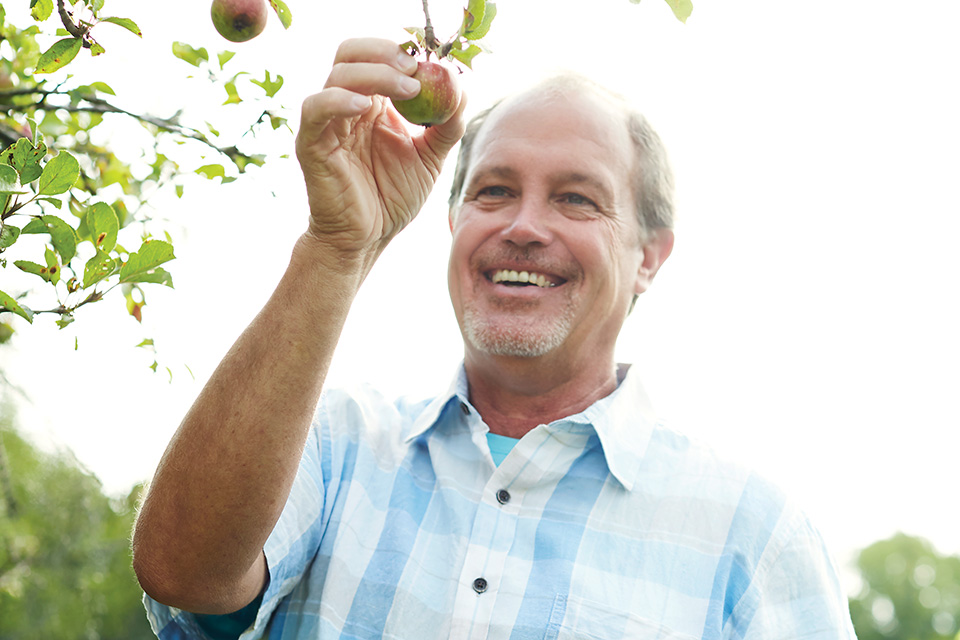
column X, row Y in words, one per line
column 653, row 184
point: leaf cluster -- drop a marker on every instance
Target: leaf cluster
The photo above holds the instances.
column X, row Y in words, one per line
column 89, row 209
column 463, row 46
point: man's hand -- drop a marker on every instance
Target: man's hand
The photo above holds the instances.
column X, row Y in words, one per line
column 366, row 175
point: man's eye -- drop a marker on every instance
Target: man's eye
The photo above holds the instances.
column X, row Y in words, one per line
column 578, row 200
column 495, row 192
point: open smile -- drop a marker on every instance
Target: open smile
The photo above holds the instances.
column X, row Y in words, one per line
column 510, row 277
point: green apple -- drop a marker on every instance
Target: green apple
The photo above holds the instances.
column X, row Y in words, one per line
column 239, row 20
column 438, row 97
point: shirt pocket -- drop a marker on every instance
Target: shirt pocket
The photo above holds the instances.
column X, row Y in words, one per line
column 576, row 618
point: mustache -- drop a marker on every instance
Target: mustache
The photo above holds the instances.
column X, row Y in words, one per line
column 527, row 259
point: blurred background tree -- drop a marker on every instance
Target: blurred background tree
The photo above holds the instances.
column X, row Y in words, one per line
column 65, row 564
column 909, row 592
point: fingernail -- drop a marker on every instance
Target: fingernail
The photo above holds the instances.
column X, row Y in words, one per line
column 409, row 86
column 360, row 102
column 407, row 63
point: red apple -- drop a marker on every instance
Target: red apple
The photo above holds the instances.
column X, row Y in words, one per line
column 438, row 97
column 239, row 20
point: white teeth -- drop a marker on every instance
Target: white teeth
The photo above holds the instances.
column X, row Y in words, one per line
column 507, row 275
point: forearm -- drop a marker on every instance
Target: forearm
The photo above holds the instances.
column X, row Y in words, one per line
column 224, row 478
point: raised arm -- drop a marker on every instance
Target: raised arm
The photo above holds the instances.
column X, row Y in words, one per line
column 225, row 476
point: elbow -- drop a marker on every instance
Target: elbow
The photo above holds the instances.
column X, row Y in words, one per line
column 170, row 578
column 154, row 576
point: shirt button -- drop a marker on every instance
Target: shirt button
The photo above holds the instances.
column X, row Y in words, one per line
column 479, row 585
column 503, row 496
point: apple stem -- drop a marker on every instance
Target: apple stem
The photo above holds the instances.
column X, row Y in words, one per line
column 431, row 43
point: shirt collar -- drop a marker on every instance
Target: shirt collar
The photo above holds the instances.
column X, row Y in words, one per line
column 456, row 391
column 623, row 421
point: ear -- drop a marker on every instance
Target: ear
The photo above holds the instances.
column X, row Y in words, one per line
column 451, row 214
column 656, row 249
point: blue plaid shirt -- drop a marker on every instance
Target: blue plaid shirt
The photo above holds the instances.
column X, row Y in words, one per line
column 602, row 525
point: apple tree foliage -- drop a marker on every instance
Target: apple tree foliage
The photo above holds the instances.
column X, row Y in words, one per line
column 75, row 223
column 909, row 591
column 65, row 563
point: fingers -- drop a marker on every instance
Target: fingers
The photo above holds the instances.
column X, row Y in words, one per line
column 375, row 50
column 371, row 66
column 363, row 67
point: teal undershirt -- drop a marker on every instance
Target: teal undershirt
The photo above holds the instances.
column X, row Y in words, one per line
column 231, row 625
column 500, row 446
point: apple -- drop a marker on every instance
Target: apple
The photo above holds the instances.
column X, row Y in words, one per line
column 239, row 20
column 437, row 100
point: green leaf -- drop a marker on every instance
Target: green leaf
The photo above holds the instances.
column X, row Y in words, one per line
column 224, row 57
column 102, row 87
column 38, row 270
column 269, row 86
column 26, row 160
column 53, row 265
column 96, row 49
column 9, row 304
column 65, row 319
column 156, row 276
column 35, row 133
column 232, row 96
column 59, row 55
column 472, row 15
column 483, row 26
column 59, row 175
column 190, row 55
column 142, row 265
column 9, row 181
column 99, row 267
column 126, row 23
column 8, row 236
column 211, row 171
column 681, row 9
column 467, row 55
column 63, row 237
column 179, row 189
column 418, row 33
column 41, row 9
column 103, row 224
column 277, row 121
column 283, row 12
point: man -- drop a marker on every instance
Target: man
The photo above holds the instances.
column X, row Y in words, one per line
column 537, row 497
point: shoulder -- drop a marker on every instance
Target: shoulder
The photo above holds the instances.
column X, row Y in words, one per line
column 771, row 559
column 363, row 413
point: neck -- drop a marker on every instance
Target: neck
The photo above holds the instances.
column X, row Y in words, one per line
column 514, row 395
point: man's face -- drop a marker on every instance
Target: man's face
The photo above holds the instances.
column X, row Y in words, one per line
column 548, row 194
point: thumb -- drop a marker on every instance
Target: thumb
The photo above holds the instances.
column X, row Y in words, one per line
column 440, row 138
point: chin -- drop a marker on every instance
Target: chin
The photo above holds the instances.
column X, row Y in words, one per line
column 517, row 340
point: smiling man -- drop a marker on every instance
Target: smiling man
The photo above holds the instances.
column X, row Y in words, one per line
column 537, row 496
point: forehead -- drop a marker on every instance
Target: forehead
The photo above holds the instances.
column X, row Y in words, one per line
column 562, row 132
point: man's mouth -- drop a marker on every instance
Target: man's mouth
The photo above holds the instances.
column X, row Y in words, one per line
column 512, row 278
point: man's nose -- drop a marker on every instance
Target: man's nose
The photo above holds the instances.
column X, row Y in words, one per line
column 528, row 224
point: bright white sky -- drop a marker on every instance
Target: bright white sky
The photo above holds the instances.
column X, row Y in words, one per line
column 806, row 323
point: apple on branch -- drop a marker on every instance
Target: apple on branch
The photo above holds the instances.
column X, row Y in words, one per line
column 437, row 100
